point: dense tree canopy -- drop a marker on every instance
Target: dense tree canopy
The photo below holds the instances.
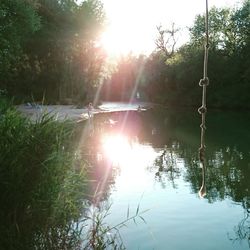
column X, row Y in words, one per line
column 49, row 48
column 18, row 20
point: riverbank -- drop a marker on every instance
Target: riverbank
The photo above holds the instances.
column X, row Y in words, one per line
column 62, row 112
column 41, row 188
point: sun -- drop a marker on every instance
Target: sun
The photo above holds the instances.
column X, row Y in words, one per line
column 121, row 39
column 114, row 43
column 126, row 30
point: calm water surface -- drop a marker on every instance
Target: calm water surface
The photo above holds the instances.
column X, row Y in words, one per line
column 149, row 159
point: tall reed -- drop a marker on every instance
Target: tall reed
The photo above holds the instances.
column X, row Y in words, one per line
column 41, row 188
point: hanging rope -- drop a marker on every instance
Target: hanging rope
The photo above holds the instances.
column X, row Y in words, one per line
column 204, row 82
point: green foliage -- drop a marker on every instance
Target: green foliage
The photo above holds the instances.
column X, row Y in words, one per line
column 228, row 29
column 227, row 70
column 41, row 183
column 49, row 48
column 221, row 30
column 61, row 59
column 18, row 19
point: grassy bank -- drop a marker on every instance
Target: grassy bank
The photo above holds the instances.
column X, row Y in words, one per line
column 42, row 183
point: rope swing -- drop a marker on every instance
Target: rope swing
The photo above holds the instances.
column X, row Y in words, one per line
column 204, row 82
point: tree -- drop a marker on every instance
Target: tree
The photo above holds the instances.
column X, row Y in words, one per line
column 18, row 20
column 62, row 59
column 166, row 40
column 125, row 80
column 227, row 29
column 228, row 66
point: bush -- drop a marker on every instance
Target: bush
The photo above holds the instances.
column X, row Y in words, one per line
column 41, row 187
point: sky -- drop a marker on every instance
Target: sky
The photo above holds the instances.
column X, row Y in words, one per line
column 131, row 24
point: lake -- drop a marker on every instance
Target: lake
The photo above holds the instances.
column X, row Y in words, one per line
column 148, row 160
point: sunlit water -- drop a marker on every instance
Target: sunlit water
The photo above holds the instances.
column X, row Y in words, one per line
column 149, row 161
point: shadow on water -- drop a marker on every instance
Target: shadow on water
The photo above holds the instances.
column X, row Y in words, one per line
column 175, row 134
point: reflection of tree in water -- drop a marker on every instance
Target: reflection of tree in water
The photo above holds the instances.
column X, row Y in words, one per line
column 227, row 154
column 101, row 174
column 100, row 177
column 227, row 174
column 242, row 230
column 167, row 166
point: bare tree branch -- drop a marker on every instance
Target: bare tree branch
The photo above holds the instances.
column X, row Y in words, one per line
column 166, row 40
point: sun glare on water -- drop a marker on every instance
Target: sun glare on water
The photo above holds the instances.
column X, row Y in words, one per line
column 116, row 148
column 131, row 158
column 125, row 153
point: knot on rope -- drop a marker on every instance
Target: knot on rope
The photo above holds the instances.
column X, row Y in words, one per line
column 204, row 82
column 202, row 110
column 203, row 126
column 202, row 153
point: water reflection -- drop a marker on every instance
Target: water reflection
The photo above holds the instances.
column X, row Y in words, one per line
column 242, row 230
column 202, row 191
column 115, row 147
column 166, row 164
column 164, row 143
